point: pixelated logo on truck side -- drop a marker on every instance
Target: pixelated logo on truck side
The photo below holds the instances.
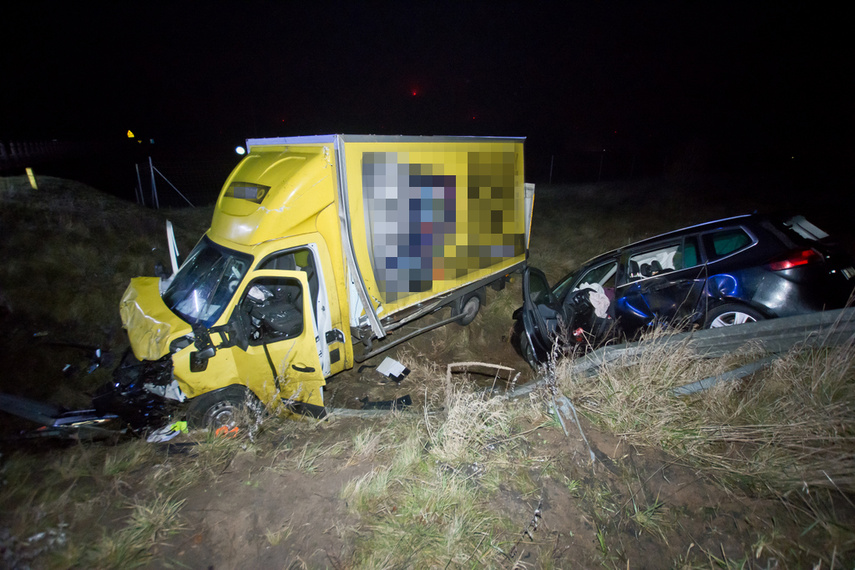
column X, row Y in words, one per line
column 417, row 235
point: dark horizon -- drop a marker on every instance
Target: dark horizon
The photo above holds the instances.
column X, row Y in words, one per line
column 728, row 87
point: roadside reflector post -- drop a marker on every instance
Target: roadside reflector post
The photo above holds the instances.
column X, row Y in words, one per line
column 32, row 178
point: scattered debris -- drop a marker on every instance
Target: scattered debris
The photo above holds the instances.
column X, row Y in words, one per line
column 393, row 369
column 529, row 529
column 396, row 404
column 167, row 432
column 18, row 553
column 511, row 380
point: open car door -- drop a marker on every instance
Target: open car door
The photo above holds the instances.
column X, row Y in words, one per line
column 540, row 316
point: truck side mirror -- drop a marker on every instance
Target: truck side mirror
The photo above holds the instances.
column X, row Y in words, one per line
column 205, row 350
column 199, row 359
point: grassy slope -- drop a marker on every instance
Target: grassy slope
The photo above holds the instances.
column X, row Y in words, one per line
column 463, row 482
column 69, row 252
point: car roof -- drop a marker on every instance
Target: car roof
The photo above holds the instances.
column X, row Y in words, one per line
column 705, row 226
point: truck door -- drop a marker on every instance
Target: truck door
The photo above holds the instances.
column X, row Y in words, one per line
column 307, row 260
column 276, row 319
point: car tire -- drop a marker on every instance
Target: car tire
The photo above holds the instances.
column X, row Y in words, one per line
column 469, row 307
column 731, row 314
column 227, row 407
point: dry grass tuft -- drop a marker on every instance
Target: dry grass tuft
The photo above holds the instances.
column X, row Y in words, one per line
column 426, row 502
column 470, row 421
column 785, row 427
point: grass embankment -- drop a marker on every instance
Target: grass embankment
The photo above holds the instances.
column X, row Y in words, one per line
column 68, row 254
column 754, row 474
column 786, row 433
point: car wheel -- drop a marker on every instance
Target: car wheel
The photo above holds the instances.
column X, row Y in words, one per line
column 731, row 314
column 228, row 407
column 469, row 308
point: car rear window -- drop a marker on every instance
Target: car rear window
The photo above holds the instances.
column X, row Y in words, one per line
column 726, row 242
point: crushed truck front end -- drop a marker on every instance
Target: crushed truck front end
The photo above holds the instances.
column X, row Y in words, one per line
column 252, row 316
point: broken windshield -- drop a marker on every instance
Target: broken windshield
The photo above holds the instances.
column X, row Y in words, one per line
column 206, row 282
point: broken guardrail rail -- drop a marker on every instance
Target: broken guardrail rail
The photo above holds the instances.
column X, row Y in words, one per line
column 774, row 336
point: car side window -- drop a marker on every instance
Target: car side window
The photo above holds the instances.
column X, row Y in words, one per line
column 690, row 253
column 725, row 242
column 603, row 275
column 654, row 262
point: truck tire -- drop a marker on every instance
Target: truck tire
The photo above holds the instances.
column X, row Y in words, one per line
column 229, row 407
column 731, row 314
column 468, row 306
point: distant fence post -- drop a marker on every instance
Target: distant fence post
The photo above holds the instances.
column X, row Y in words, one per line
column 138, row 191
column 154, row 200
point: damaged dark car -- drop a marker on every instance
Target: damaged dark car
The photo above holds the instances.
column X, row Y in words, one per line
column 720, row 273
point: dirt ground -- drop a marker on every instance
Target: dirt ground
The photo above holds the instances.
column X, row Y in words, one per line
column 227, row 520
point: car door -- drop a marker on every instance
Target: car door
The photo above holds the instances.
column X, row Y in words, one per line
column 661, row 284
column 540, row 315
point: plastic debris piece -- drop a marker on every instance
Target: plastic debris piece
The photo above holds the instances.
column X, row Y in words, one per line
column 167, row 432
column 393, row 369
column 225, row 431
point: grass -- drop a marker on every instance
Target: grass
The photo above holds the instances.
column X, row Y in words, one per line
column 74, row 486
column 787, row 427
column 785, row 433
column 427, row 503
column 150, row 522
column 454, row 481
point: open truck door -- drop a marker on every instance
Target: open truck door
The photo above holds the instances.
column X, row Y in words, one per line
column 278, row 316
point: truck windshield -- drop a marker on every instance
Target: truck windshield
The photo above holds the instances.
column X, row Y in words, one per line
column 206, row 282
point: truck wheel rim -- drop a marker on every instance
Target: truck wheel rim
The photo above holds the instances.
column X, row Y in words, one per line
column 223, row 414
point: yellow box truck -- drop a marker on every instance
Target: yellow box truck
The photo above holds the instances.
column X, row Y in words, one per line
column 320, row 250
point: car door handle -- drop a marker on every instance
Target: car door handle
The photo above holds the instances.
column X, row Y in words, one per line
column 302, row 368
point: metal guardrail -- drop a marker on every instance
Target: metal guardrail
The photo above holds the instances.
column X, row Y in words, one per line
column 775, row 336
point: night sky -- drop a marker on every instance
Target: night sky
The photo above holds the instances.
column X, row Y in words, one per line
column 770, row 80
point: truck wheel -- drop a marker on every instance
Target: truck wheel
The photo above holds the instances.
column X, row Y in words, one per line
column 227, row 407
column 731, row 314
column 468, row 306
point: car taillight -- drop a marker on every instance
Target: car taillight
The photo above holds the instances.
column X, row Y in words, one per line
column 795, row 259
